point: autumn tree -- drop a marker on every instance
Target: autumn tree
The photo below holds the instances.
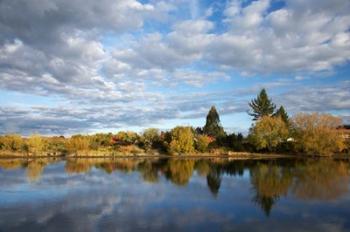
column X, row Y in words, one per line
column 202, row 142
column 36, row 143
column 150, row 138
column 261, row 106
column 317, row 134
column 182, row 140
column 268, row 133
column 12, row 142
column 78, row 143
column 213, row 126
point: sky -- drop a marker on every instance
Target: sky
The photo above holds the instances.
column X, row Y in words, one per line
column 87, row 66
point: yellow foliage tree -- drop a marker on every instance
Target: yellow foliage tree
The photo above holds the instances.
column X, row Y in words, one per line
column 35, row 143
column 182, row 140
column 202, row 142
column 317, row 134
column 268, row 133
column 78, row 143
column 12, row 142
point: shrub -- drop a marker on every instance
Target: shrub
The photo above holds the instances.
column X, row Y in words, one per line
column 78, row 143
column 181, row 140
column 317, row 134
column 202, row 142
column 12, row 142
column 36, row 143
column 125, row 138
column 150, row 138
column 100, row 140
column 56, row 144
column 268, row 133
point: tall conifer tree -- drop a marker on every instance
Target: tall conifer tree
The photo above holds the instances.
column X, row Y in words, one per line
column 261, row 106
column 213, row 126
column 281, row 112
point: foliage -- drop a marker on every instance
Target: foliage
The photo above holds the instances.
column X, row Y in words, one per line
column 36, row 143
column 78, row 143
column 213, row 126
column 125, row 138
column 202, row 142
column 100, row 140
column 150, row 138
column 12, row 142
column 261, row 106
column 56, row 144
column 182, row 140
column 317, row 134
column 268, row 133
column 235, row 141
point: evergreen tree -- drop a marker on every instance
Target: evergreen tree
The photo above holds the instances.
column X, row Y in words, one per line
column 213, row 126
column 261, row 106
column 281, row 112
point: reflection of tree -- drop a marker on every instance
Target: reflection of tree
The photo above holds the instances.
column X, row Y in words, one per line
column 269, row 182
column 179, row 171
column 214, row 180
column 108, row 167
column 149, row 171
column 202, row 167
column 78, row 166
column 324, row 179
column 124, row 165
column 11, row 164
column 265, row 202
column 34, row 170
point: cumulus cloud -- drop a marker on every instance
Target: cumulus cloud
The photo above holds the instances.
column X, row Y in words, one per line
column 302, row 36
column 74, row 50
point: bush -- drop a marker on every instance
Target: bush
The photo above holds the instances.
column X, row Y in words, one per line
column 100, row 140
column 181, row 140
column 36, row 144
column 56, row 144
column 125, row 138
column 12, row 142
column 78, row 143
column 235, row 141
column 202, row 142
column 150, row 138
column 317, row 134
column 268, row 133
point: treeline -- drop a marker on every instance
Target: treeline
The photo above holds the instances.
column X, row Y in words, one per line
column 272, row 131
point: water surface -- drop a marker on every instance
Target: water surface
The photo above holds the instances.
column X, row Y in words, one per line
column 174, row 194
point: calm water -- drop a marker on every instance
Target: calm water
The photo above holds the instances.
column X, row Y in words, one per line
column 174, row 194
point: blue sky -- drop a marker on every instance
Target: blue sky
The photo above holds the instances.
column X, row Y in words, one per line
column 90, row 66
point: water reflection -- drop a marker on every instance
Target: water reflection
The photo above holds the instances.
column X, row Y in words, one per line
column 264, row 183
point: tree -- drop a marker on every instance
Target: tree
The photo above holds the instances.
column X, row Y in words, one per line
column 36, row 143
column 261, row 106
column 317, row 133
column 150, row 137
column 182, row 140
column 268, row 133
column 213, row 126
column 78, row 143
column 282, row 114
column 202, row 142
column 12, row 142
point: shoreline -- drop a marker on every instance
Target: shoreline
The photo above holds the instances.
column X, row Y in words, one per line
column 230, row 156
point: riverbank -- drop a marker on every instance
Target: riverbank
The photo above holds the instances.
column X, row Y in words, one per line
column 230, row 155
